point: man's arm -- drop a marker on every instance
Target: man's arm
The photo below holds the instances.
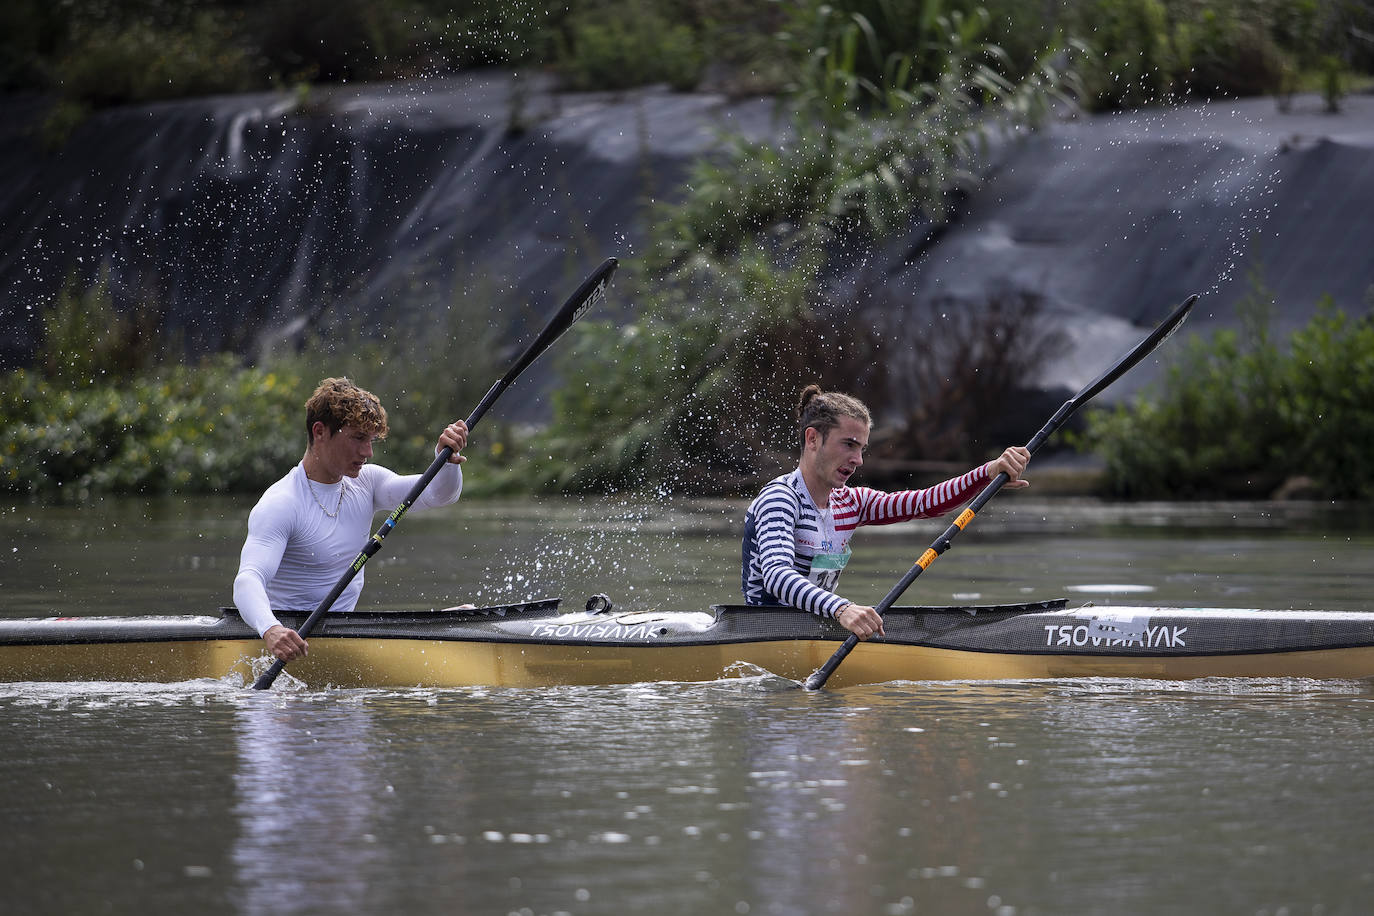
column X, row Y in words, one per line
column 775, row 535
column 1012, row 462
column 262, row 553
column 879, row 508
column 861, row 620
column 443, row 490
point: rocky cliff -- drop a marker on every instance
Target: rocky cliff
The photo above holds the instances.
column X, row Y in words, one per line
column 246, row 219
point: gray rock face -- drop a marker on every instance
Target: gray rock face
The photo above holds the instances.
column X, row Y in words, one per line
column 1115, row 219
column 246, row 219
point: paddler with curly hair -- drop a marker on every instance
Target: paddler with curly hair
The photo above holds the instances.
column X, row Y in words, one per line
column 308, row 527
column 797, row 530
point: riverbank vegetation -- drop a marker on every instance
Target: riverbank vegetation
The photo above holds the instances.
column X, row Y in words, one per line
column 1238, row 413
column 106, row 411
column 738, row 296
column 101, row 52
column 1241, row 413
column 740, row 313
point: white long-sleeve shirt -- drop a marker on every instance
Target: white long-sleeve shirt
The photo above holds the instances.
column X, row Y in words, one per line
column 295, row 552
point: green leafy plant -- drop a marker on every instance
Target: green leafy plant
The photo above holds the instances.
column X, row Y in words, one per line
column 628, row 44
column 212, row 427
column 1237, row 414
column 696, row 395
column 1332, row 384
column 700, row 393
column 108, row 409
column 864, row 156
column 142, row 61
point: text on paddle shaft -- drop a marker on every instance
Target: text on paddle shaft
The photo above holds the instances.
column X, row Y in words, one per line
column 1093, row 635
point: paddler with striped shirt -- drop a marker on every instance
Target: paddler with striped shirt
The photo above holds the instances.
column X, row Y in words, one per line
column 797, row 530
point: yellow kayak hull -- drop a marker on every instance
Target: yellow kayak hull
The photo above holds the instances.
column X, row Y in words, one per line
column 536, row 646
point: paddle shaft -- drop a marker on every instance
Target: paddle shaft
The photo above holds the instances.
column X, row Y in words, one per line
column 942, row 543
column 588, row 294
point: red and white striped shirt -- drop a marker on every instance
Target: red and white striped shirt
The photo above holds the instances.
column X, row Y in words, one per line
column 784, row 532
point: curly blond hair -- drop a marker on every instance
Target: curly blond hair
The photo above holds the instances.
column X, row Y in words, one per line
column 337, row 403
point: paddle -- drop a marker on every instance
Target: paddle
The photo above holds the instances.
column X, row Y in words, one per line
column 592, row 290
column 942, row 543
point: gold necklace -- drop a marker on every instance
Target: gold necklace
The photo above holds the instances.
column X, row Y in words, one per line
column 343, row 485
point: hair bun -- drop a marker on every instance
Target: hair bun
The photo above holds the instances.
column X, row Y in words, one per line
column 809, row 392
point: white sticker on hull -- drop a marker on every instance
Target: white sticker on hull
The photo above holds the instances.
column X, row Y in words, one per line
column 593, row 631
column 1114, row 632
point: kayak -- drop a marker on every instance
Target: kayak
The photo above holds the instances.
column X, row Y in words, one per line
column 536, row 644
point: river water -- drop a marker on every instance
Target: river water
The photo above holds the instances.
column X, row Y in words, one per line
column 745, row 795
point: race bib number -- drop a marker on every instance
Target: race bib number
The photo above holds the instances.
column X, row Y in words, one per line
column 826, row 569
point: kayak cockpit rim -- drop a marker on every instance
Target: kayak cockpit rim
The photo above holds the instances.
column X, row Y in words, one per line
column 600, row 604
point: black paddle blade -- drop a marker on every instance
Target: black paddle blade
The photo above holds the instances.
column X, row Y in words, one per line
column 592, row 291
column 1141, row 350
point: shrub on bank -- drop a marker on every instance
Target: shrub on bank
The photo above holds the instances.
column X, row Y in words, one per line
column 1238, row 415
column 629, row 45
column 106, row 411
column 141, row 61
column 1145, row 51
column 212, row 427
column 697, row 394
column 215, row 427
